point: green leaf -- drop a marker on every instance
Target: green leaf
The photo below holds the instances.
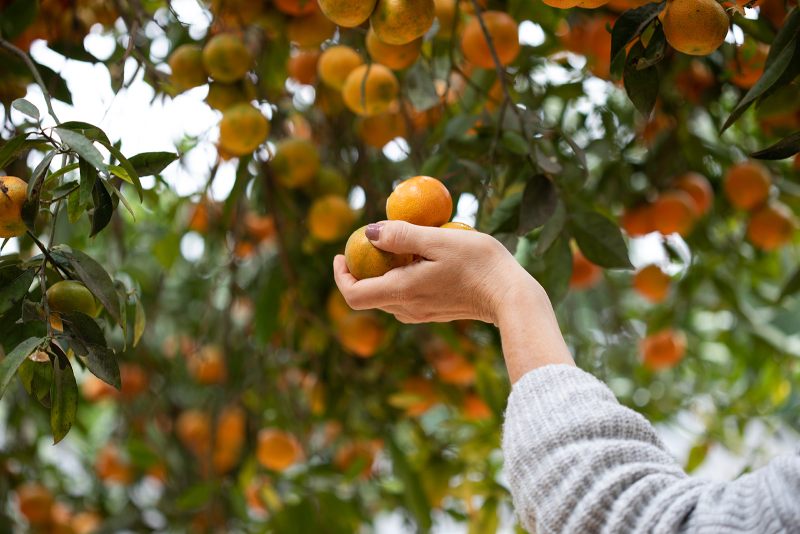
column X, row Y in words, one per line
column 785, row 148
column 90, row 131
column 88, row 340
column 697, row 455
column 630, row 25
column 63, row 398
column 771, row 75
column 94, row 276
column 413, row 492
column 505, row 217
column 26, row 108
column 117, row 193
column 129, row 170
column 514, row 142
column 11, row 149
column 166, row 249
column 37, row 378
column 55, row 84
column 785, row 38
column 419, row 87
column 139, row 320
column 268, row 303
column 83, row 147
column 640, row 84
column 539, row 200
column 792, row 286
column 150, row 163
column 458, row 126
column 30, row 208
column 88, row 178
column 103, row 208
column 553, row 269
column 599, row 239
column 552, row 229
column 120, row 173
column 14, row 285
column 9, row 364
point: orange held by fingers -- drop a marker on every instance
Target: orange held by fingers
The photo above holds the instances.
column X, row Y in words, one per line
column 365, row 260
column 421, row 200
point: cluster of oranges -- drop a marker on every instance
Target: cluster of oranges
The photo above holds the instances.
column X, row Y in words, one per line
column 44, row 513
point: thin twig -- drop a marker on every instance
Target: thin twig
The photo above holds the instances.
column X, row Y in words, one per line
column 36, row 75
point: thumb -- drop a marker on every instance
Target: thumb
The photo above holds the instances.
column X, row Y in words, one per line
column 401, row 237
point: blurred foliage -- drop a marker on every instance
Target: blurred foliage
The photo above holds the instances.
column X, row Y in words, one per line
column 229, row 387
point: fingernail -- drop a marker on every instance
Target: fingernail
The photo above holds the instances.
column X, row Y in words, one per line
column 373, row 231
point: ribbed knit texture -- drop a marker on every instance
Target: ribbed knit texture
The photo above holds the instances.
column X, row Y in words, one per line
column 579, row 462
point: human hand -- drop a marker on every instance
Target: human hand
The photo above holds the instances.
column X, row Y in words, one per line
column 461, row 275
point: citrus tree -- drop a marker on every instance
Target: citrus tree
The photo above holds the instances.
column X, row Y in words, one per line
column 234, row 389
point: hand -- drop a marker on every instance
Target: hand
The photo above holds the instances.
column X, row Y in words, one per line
column 461, row 275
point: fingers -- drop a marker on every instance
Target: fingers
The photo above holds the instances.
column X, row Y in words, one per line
column 384, row 291
column 401, row 237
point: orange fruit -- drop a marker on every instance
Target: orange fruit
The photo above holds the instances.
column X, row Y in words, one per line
column 695, row 27
column 504, row 34
column 229, row 439
column 748, row 63
column 590, row 37
column 336, row 63
column 259, row 227
column 365, row 260
column 585, row 274
column 296, row 162
column 652, row 283
column 663, row 350
column 378, row 130
column 134, row 380
column 771, row 226
column 567, row 4
column 186, row 64
column 674, row 213
column 396, row 57
column 95, row 390
column 475, row 409
column 67, row 296
column 193, row 428
column 695, row 80
column 302, row 66
column 347, row 13
column 399, row 22
column 35, row 503
column 452, row 367
column 296, row 8
column 361, row 333
column 207, row 365
column 235, row 13
column 329, row 101
column 85, row 522
column 310, row 31
column 277, row 450
column 13, row 193
column 454, row 225
column 242, row 129
column 419, row 396
column 226, row 58
column 370, row 89
column 445, row 11
column 336, row 306
column 222, row 96
column 421, row 200
column 110, row 466
column 698, row 187
column 747, row 185
column 638, row 220
column 358, row 452
column 329, row 218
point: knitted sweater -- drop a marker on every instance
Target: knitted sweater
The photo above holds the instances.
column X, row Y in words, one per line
column 579, row 462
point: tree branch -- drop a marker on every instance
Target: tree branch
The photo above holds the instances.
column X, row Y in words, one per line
column 36, row 75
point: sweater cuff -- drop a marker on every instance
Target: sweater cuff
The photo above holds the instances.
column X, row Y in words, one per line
column 558, row 380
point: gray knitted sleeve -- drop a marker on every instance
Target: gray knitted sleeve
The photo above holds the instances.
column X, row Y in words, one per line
column 578, row 461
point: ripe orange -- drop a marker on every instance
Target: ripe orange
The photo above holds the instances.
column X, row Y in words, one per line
column 695, row 27
column 229, row 439
column 85, row 522
column 454, row 225
column 452, row 367
column 370, row 89
column 69, row 296
column 504, row 34
column 475, row 409
column 695, row 80
column 226, row 58
column 242, row 129
column 259, row 228
column 396, row 57
column 277, row 450
column 358, row 452
column 347, row 13
column 674, row 213
column 418, row 396
column 421, row 200
column 207, row 365
column 361, row 332
column 311, row 30
column 748, row 63
column 663, row 350
column 747, row 185
column 13, row 193
column 445, row 11
column 296, row 162
column 585, row 274
column 134, row 380
column 95, row 390
column 401, row 21
column 652, row 283
column 302, row 66
column 296, row 8
column 35, row 503
column 638, row 221
column 186, row 64
column 110, row 466
column 567, row 4
column 329, row 218
column 698, row 187
column 378, row 130
column 193, row 428
column 771, row 226
column 222, row 96
column 336, row 63
column 336, row 306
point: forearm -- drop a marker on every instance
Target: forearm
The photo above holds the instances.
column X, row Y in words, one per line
column 528, row 328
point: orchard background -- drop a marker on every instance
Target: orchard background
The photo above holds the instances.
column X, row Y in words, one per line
column 200, row 371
